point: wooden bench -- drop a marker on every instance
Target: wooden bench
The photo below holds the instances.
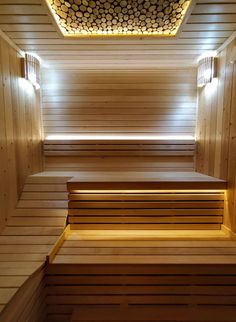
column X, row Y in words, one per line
column 119, row 147
column 142, row 292
column 146, row 200
column 143, row 246
column 120, row 154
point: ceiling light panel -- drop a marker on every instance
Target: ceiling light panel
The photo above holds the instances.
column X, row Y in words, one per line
column 86, row 18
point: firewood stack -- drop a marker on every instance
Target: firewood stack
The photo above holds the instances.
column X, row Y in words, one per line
column 129, row 17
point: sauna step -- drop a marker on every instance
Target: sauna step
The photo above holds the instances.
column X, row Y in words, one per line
column 143, row 247
column 142, row 292
column 142, row 180
column 153, row 313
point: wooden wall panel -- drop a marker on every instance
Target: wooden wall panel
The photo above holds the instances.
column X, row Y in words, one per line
column 20, row 130
column 216, row 126
column 128, row 102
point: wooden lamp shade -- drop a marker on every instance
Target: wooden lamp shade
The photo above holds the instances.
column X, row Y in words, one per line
column 31, row 70
column 206, row 71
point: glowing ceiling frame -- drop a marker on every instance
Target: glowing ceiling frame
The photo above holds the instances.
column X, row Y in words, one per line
column 103, row 18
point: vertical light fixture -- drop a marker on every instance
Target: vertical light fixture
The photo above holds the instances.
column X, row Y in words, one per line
column 206, row 71
column 31, row 70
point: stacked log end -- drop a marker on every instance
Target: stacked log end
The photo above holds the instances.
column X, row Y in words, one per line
column 114, row 17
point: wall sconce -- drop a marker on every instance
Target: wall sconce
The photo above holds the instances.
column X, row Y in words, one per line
column 232, row 57
column 31, row 70
column 206, row 71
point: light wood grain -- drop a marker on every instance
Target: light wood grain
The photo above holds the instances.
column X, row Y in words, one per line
column 216, row 130
column 118, row 103
column 20, row 130
column 119, row 93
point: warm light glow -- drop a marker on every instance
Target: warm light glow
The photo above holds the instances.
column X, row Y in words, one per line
column 148, row 191
column 116, row 137
column 118, row 18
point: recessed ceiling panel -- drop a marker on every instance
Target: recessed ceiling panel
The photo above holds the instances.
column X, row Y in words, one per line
column 119, row 17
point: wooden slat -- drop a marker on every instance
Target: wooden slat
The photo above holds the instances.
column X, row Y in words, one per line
column 119, row 186
column 146, row 204
column 137, row 226
column 138, row 235
column 150, row 314
column 127, row 148
column 140, row 196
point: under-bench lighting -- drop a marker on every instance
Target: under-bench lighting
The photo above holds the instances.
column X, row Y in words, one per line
column 110, row 191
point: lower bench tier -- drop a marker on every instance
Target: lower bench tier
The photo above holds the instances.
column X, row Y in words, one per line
column 141, row 292
column 146, row 210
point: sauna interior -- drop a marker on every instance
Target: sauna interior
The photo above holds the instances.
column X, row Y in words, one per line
column 117, row 160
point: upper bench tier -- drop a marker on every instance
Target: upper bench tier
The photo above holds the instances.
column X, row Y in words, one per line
column 132, row 180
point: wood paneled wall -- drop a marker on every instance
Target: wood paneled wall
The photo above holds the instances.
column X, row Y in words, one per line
column 124, row 104
column 119, row 102
column 20, row 130
column 216, row 129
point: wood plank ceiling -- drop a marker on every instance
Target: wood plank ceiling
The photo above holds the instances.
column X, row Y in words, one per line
column 29, row 24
